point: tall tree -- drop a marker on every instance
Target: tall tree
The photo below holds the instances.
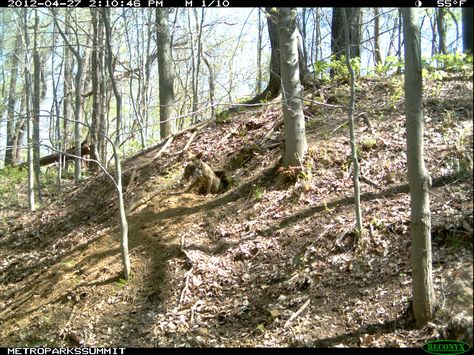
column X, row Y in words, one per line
column 273, row 88
column 377, row 53
column 350, row 114
column 337, row 31
column 434, row 24
column 81, row 63
column 441, row 24
column 67, row 85
column 165, row 71
column 97, row 98
column 295, row 136
column 399, row 47
column 115, row 147
column 36, row 107
column 10, row 147
column 467, row 29
column 28, row 94
column 20, row 129
column 418, row 176
column 258, row 89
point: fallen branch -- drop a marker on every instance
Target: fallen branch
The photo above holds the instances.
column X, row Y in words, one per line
column 164, row 147
column 369, row 182
column 275, row 126
column 297, row 313
column 188, row 273
column 199, row 125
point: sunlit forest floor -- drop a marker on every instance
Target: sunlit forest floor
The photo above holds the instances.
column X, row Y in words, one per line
column 261, row 264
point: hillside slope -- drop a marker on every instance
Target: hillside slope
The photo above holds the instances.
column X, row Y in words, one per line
column 260, row 264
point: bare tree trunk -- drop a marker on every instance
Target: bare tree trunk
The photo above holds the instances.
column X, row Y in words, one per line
column 67, row 91
column 165, row 69
column 116, row 145
column 31, row 178
column 36, row 109
column 399, row 52
column 199, row 25
column 467, row 29
column 20, row 129
column 273, row 88
column 456, row 25
column 96, row 64
column 259, row 52
column 55, row 107
column 441, row 29
column 10, row 144
column 355, row 161
column 211, row 84
column 295, row 136
column 377, row 54
column 136, row 55
column 434, row 48
column 418, row 177
column 337, row 32
column 81, row 62
column 103, row 123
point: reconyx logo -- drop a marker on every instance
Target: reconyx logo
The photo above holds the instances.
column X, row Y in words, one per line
column 441, row 347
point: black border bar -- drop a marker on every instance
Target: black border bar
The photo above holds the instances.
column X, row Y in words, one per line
column 232, row 3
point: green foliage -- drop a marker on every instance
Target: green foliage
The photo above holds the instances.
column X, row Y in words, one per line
column 368, row 143
column 223, row 117
column 257, row 192
column 307, row 172
column 261, row 328
column 339, row 67
column 133, row 146
column 391, row 64
column 451, row 62
column 37, row 343
column 464, row 156
column 321, row 68
column 121, row 282
column 398, row 91
column 12, row 185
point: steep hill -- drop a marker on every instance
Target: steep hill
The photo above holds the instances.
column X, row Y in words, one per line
column 260, row 264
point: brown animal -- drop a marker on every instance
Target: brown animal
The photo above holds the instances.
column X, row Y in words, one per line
column 203, row 176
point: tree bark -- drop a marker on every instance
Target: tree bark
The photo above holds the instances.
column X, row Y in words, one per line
column 418, row 177
column 377, row 53
column 165, row 70
column 20, row 129
column 36, row 109
column 441, row 29
column 295, row 136
column 67, row 86
column 115, row 146
column 81, row 62
column 10, row 144
column 273, row 88
column 258, row 86
column 337, row 31
column 350, row 115
column 96, row 64
column 467, row 29
column 399, row 52
column 31, row 179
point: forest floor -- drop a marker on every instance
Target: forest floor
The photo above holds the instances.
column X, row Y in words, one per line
column 260, row 265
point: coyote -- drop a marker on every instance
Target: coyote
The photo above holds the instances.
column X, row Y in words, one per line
column 203, row 176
